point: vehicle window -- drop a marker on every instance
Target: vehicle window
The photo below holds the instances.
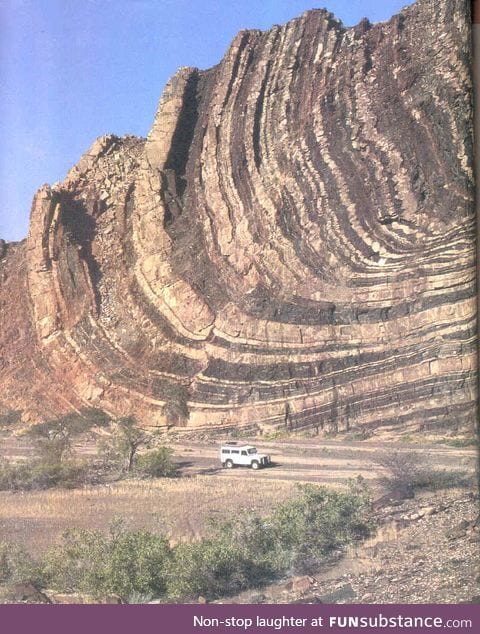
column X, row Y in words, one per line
column 235, row 451
column 244, row 453
column 225, row 450
column 252, row 450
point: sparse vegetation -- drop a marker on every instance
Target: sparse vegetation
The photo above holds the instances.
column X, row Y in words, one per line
column 156, row 505
column 53, row 440
column 54, row 464
column 358, row 434
column 244, row 552
column 460, row 442
column 276, row 434
column 120, row 452
column 438, row 480
column 408, row 471
column 40, row 474
column 239, row 433
column 403, row 471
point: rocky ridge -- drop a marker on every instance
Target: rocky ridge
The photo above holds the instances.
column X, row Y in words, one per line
column 291, row 246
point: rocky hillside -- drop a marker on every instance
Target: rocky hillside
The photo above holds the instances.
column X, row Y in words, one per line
column 292, row 245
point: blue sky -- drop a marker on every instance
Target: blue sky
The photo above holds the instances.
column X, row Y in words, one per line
column 72, row 70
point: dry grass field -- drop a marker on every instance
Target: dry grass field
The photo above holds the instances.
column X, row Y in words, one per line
column 183, row 507
column 180, row 508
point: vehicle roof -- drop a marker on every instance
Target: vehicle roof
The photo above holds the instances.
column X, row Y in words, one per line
column 238, row 445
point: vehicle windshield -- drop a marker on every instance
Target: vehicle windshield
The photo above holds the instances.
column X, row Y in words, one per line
column 252, row 450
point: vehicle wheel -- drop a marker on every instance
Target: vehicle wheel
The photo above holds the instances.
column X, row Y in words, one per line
column 255, row 464
column 229, row 464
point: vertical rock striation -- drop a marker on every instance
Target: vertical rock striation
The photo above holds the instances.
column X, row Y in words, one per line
column 292, row 245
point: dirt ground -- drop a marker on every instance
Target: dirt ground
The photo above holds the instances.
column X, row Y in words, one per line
column 183, row 506
column 416, row 555
column 180, row 508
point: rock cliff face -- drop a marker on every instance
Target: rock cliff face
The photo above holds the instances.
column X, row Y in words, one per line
column 292, row 245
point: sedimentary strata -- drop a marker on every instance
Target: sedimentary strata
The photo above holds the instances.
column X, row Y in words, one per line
column 292, row 245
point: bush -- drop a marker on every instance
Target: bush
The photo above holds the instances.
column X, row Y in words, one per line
column 438, row 480
column 319, row 522
column 8, row 476
column 156, row 464
column 406, row 472
column 241, row 554
column 212, row 568
column 460, row 442
column 17, row 565
column 255, row 540
column 124, row 563
column 76, row 564
column 40, row 475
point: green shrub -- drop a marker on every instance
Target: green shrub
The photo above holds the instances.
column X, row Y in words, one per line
column 156, row 464
column 138, row 563
column 67, row 475
column 17, row 565
column 77, row 563
column 318, row 522
column 254, row 538
column 37, row 474
column 210, row 568
column 126, row 563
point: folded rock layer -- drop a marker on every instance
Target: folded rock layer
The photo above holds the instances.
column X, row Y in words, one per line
column 292, row 245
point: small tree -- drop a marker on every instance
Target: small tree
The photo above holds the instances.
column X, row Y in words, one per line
column 403, row 471
column 53, row 441
column 54, row 437
column 124, row 444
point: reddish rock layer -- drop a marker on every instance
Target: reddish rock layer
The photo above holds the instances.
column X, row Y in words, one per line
column 292, row 245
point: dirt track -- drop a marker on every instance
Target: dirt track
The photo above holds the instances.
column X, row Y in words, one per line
column 306, row 460
column 326, row 462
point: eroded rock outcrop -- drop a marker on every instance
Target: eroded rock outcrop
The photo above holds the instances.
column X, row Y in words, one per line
column 292, row 245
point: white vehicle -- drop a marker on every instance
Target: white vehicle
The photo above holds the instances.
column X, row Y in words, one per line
column 232, row 455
